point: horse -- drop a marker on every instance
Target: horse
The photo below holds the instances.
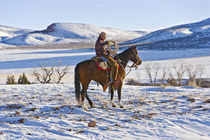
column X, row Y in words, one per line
column 87, row 70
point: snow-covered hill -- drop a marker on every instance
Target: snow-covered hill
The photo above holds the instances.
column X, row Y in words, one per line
column 10, row 32
column 187, row 35
column 193, row 35
column 70, row 33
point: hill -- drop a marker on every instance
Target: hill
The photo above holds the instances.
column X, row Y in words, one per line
column 7, row 32
column 193, row 35
column 57, row 33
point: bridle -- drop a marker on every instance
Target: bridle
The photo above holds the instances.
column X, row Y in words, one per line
column 134, row 65
column 135, row 59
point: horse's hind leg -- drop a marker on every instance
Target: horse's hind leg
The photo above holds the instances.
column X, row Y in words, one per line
column 111, row 90
column 84, row 94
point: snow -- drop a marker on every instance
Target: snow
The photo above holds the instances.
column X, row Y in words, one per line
column 4, row 34
column 40, row 39
column 50, row 111
column 84, row 31
column 3, row 46
column 20, row 60
column 205, row 27
column 67, row 33
column 185, row 31
column 9, row 32
column 178, row 31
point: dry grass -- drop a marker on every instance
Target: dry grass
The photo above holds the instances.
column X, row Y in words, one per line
column 205, row 83
column 31, row 78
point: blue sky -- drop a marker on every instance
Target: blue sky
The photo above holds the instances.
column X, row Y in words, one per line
column 121, row 14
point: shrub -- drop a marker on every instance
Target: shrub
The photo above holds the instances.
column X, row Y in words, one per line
column 152, row 71
column 172, row 82
column 23, row 79
column 45, row 74
column 202, row 82
column 179, row 70
column 11, row 80
column 132, row 82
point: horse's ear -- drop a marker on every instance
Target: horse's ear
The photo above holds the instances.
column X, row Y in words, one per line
column 134, row 46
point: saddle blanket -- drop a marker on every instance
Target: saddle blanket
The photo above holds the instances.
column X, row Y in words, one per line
column 103, row 66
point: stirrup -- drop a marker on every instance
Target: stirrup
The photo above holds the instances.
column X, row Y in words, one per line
column 111, row 81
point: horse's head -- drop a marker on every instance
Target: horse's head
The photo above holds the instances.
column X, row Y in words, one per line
column 134, row 57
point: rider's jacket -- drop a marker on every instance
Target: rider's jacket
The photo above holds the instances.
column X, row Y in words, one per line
column 100, row 48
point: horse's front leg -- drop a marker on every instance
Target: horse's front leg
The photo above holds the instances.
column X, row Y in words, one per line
column 119, row 97
column 89, row 101
column 111, row 90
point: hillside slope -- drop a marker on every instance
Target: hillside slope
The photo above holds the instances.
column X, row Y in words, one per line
column 70, row 33
column 194, row 35
column 10, row 32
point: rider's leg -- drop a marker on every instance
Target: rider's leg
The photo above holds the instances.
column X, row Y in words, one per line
column 114, row 68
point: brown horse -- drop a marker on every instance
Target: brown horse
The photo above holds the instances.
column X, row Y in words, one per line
column 86, row 71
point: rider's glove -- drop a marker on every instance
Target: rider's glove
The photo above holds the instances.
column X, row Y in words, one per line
column 114, row 42
column 109, row 42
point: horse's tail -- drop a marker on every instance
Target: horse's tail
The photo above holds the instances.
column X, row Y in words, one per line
column 77, row 83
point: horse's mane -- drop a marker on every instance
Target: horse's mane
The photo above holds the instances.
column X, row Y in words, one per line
column 125, row 52
column 124, row 56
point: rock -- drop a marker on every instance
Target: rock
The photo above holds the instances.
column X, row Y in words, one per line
column 17, row 113
column 117, row 125
column 36, row 117
column 50, row 28
column 14, row 106
column 80, row 131
column 31, row 109
column 92, row 124
column 207, row 101
column 21, row 120
column 191, row 100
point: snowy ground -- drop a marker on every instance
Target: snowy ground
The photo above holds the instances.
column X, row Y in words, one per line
column 18, row 61
column 50, row 112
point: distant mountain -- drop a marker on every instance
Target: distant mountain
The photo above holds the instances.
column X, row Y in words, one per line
column 10, row 32
column 69, row 33
column 194, row 35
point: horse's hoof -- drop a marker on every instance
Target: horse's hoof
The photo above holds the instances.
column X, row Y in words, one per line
column 85, row 108
column 79, row 106
column 92, row 106
column 113, row 105
column 121, row 106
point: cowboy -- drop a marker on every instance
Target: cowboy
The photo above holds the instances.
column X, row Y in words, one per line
column 103, row 53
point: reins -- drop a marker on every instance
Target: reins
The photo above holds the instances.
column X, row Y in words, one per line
column 114, row 52
column 134, row 65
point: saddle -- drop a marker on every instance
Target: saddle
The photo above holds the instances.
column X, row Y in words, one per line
column 101, row 65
